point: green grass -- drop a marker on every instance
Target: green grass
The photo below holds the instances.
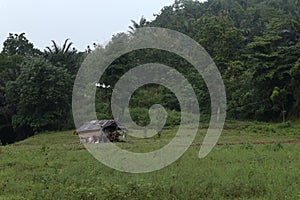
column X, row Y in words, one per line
column 56, row 166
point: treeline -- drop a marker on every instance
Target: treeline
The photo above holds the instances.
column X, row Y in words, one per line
column 255, row 45
column 35, row 87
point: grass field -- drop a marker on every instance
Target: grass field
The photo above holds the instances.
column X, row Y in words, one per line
column 252, row 161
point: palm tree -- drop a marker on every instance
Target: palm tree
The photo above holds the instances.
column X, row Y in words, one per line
column 63, row 56
column 143, row 22
column 64, row 50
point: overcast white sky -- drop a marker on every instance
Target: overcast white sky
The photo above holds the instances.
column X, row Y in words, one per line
column 82, row 21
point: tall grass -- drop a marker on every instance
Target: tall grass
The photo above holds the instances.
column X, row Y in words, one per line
column 56, row 166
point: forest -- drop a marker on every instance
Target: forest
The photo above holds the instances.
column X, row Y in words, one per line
column 254, row 43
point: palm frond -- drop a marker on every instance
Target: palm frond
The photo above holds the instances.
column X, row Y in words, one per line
column 64, row 46
column 50, row 50
column 56, row 48
column 134, row 24
column 142, row 21
column 68, row 47
column 131, row 28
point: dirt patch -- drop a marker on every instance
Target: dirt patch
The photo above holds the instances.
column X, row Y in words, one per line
column 294, row 141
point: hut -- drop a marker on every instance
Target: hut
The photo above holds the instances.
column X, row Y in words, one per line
column 100, row 131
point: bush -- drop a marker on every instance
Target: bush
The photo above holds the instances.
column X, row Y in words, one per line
column 103, row 111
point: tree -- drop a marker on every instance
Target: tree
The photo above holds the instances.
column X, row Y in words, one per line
column 40, row 97
column 279, row 99
column 65, row 56
column 9, row 71
column 270, row 57
column 221, row 39
column 18, row 44
column 143, row 22
column 295, row 89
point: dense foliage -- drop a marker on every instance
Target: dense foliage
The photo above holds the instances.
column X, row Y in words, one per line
column 255, row 45
column 35, row 88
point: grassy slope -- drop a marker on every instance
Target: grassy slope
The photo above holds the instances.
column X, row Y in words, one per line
column 56, row 166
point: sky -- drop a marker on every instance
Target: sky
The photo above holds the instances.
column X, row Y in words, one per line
column 82, row 21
